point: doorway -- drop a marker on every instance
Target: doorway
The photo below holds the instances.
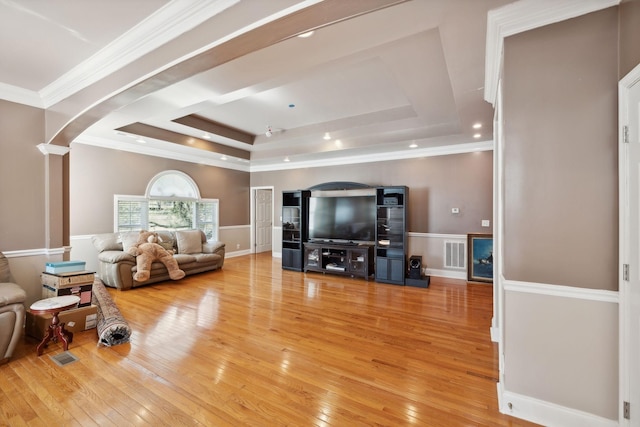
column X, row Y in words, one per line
column 629, row 280
column 262, row 219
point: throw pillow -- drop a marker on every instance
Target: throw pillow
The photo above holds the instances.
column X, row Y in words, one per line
column 129, row 239
column 107, row 242
column 167, row 240
column 189, row 241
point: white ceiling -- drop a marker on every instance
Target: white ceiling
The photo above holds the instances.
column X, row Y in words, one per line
column 409, row 73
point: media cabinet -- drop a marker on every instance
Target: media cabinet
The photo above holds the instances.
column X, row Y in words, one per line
column 295, row 231
column 385, row 258
column 355, row 260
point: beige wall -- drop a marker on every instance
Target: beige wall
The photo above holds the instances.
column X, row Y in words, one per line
column 560, row 131
column 26, row 176
column 22, row 177
column 436, row 184
column 559, row 305
column 629, row 36
column 96, row 174
column 563, row 351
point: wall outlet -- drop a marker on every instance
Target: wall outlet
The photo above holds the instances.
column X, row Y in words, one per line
column 455, row 210
column 486, row 223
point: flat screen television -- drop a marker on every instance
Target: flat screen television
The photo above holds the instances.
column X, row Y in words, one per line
column 342, row 219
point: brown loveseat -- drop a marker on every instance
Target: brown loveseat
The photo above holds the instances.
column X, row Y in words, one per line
column 193, row 253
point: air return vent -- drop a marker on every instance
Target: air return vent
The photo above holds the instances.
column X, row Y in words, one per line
column 454, row 254
column 64, row 358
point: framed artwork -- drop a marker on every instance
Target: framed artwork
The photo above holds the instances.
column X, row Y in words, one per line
column 480, row 257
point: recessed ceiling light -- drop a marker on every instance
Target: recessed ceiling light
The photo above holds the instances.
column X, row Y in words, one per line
column 477, row 125
column 413, row 145
column 477, row 135
column 326, row 136
column 305, row 35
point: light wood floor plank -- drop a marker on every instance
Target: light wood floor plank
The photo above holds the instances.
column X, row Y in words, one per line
column 255, row 345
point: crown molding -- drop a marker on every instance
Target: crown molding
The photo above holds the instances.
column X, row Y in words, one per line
column 173, row 152
column 379, row 157
column 196, row 156
column 170, row 21
column 521, row 16
column 21, row 96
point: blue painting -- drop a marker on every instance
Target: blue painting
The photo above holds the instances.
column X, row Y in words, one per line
column 480, row 262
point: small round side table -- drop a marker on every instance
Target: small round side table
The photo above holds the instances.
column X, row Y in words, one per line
column 56, row 329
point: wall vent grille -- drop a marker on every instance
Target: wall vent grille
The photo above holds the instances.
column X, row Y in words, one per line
column 455, row 254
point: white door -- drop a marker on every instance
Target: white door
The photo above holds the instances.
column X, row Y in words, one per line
column 630, row 247
column 263, row 220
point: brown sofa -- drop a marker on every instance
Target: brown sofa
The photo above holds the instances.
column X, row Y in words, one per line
column 193, row 253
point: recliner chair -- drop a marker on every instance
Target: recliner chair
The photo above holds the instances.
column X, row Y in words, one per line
column 12, row 312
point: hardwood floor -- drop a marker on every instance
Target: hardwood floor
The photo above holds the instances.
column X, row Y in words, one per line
column 258, row 346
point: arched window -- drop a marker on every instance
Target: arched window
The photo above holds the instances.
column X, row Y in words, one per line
column 172, row 202
column 173, row 184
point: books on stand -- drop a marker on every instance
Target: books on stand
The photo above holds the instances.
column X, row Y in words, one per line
column 64, row 267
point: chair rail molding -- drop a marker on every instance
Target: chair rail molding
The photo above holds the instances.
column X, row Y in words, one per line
column 562, row 291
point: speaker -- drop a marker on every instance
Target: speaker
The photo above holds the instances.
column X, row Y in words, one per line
column 415, row 267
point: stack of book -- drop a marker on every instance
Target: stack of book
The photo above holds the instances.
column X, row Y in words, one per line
column 64, row 267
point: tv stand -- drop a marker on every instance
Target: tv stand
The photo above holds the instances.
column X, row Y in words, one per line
column 349, row 259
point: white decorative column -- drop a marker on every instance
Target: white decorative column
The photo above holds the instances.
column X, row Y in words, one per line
column 56, row 204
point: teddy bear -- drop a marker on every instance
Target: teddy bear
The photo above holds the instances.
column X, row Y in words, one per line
column 146, row 250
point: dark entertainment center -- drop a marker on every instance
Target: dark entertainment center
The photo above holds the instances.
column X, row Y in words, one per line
column 347, row 228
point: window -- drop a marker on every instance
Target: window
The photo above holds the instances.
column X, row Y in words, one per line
column 172, row 202
column 131, row 213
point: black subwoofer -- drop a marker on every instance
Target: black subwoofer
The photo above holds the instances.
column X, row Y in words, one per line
column 415, row 267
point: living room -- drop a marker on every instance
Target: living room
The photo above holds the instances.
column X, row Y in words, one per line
column 556, row 180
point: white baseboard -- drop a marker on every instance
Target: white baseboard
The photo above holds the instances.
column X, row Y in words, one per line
column 545, row 413
column 449, row 274
column 495, row 334
column 430, row 271
column 462, row 275
column 237, row 253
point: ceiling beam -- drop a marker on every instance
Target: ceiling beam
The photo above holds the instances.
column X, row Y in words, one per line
column 148, row 131
column 215, row 128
